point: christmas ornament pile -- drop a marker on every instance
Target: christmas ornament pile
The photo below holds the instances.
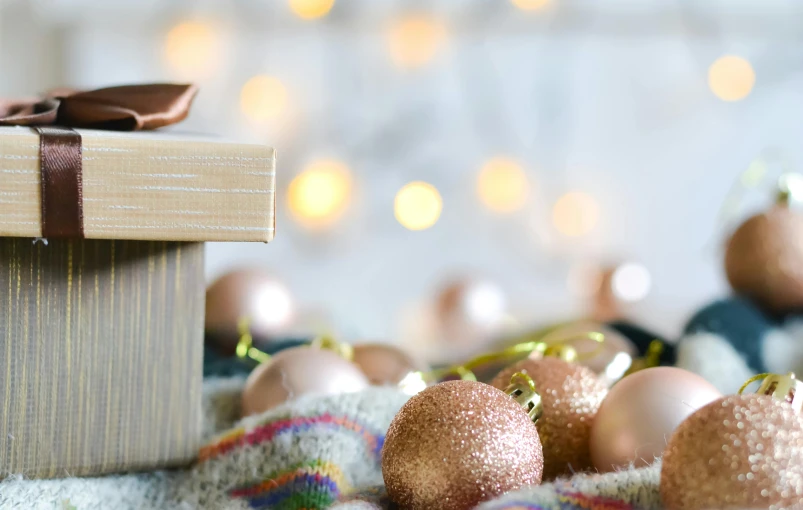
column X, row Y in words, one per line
column 459, row 443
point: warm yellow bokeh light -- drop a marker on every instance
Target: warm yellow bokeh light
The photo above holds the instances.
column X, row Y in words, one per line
column 418, row 205
column 502, row 185
column 192, row 49
column 263, row 98
column 319, row 195
column 575, row 214
column 531, row 5
column 731, row 78
column 414, row 41
column 311, row 9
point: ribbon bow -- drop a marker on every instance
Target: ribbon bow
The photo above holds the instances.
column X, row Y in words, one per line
column 123, row 108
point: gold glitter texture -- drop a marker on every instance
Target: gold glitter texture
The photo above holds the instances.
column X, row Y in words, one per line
column 764, row 259
column 457, row 444
column 571, row 396
column 741, row 451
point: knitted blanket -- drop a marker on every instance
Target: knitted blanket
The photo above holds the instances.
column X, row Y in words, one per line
column 316, row 452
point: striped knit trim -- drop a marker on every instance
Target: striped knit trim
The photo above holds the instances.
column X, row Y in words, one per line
column 307, row 486
column 519, row 505
column 569, row 501
column 587, row 502
column 267, row 431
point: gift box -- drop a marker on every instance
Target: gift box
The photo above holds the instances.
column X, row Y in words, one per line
column 102, row 290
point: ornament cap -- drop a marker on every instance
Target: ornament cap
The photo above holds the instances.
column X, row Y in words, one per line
column 785, row 388
column 562, row 351
column 522, row 390
column 651, row 359
column 789, row 189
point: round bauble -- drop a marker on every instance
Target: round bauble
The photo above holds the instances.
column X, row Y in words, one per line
column 570, row 395
column 457, row 444
column 609, row 359
column 469, row 313
column 742, row 451
column 246, row 294
column 385, row 365
column 764, row 260
column 299, row 371
column 641, row 411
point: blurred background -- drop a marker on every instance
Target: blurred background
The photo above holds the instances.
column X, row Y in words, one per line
column 536, row 160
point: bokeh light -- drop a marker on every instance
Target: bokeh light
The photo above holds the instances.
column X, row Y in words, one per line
column 311, row 9
column 417, row 205
column 631, row 282
column 731, row 78
column 275, row 304
column 263, row 98
column 320, row 194
column 192, row 49
column 531, row 5
column 486, row 303
column 415, row 40
column 502, row 185
column 575, row 214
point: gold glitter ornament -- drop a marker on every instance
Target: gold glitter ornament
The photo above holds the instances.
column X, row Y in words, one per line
column 764, row 259
column 457, row 444
column 570, row 394
column 741, row 451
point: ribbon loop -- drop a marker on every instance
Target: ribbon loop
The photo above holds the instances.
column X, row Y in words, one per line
column 123, row 108
column 128, row 107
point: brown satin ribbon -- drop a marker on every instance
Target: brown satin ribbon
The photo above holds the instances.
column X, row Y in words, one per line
column 124, row 108
column 60, row 166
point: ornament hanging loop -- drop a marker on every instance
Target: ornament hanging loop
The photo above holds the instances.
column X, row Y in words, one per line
column 245, row 346
column 328, row 342
column 786, row 388
column 522, row 390
column 652, row 358
column 562, row 348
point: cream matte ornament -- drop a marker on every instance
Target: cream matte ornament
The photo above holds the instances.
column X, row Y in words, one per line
column 570, row 396
column 457, row 444
column 764, row 259
column 641, row 411
column 741, row 451
column 245, row 294
column 299, row 371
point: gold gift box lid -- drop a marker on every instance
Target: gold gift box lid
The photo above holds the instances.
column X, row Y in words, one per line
column 160, row 186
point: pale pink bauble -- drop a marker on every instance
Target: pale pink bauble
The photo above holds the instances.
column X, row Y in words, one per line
column 299, row 371
column 640, row 413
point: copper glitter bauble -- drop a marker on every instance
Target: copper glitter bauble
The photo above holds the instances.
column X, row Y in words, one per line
column 742, row 451
column 609, row 359
column 641, row 411
column 457, row 444
column 250, row 294
column 764, row 259
column 299, row 371
column 385, row 364
column 570, row 395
